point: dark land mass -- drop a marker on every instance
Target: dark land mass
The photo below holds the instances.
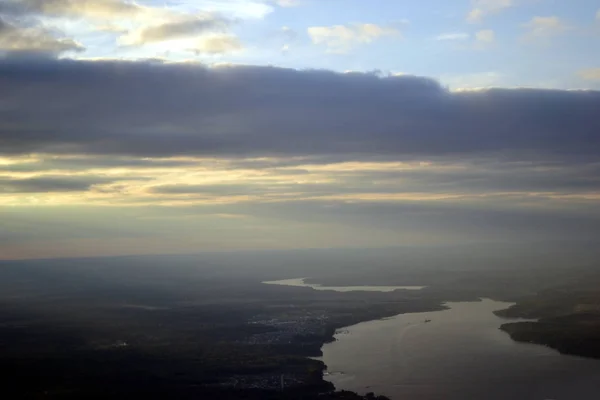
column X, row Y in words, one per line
column 568, row 318
column 121, row 330
column 188, row 327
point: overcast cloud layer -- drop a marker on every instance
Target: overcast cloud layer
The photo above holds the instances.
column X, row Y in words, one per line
column 155, row 109
column 264, row 157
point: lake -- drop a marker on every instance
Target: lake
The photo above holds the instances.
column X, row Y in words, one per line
column 300, row 282
column 459, row 355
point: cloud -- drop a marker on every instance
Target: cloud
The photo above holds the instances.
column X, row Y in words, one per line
column 36, row 25
column 135, row 23
column 75, row 164
column 409, row 180
column 453, row 36
column 477, row 198
column 217, row 45
column 288, row 33
column 484, row 38
column 590, row 74
column 356, row 155
column 285, row 37
column 481, row 181
column 342, row 38
column 545, row 27
column 287, row 3
column 482, row 8
column 94, row 9
column 481, row 39
column 186, row 27
column 48, row 184
column 34, row 39
column 211, row 190
column 475, row 15
column 352, row 152
column 111, row 28
column 151, row 109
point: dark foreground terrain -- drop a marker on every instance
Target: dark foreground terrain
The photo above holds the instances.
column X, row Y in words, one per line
column 87, row 330
column 189, row 328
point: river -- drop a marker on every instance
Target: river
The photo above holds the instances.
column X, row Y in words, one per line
column 460, row 354
column 300, row 282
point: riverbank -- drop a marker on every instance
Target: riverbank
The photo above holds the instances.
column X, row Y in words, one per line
column 304, row 282
column 568, row 320
column 575, row 335
column 460, row 353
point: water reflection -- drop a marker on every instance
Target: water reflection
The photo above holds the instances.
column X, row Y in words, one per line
column 459, row 354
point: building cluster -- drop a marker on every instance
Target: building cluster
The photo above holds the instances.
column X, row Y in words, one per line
column 286, row 327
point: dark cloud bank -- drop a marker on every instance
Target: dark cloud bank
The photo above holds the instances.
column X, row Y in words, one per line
column 160, row 109
column 50, row 184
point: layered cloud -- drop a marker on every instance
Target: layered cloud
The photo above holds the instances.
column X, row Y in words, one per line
column 125, row 205
column 49, row 184
column 286, row 156
column 188, row 134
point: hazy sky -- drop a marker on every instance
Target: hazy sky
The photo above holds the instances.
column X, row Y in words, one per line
column 182, row 126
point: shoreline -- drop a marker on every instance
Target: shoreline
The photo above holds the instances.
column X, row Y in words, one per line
column 306, row 282
column 324, row 371
column 442, row 306
column 548, row 335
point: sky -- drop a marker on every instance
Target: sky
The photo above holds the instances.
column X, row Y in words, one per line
column 166, row 127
